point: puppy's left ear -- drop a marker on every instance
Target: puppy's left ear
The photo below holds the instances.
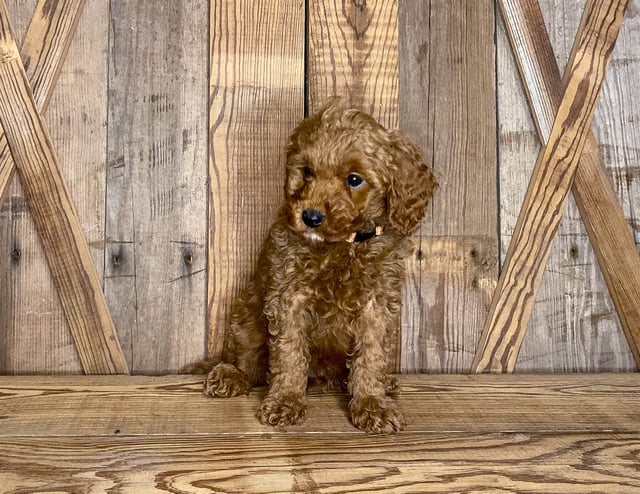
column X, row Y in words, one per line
column 411, row 186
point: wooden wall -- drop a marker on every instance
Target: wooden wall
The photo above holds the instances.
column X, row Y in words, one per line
column 170, row 119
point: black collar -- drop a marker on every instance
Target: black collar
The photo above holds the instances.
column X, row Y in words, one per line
column 364, row 236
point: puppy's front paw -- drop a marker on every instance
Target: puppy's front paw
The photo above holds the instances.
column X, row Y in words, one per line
column 284, row 410
column 225, row 381
column 376, row 416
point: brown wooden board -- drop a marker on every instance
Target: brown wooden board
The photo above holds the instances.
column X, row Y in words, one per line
column 425, row 463
column 353, row 52
column 485, row 433
column 447, row 87
column 604, row 220
column 548, row 189
column 33, row 328
column 574, row 326
column 79, row 406
column 156, row 193
column 54, row 214
column 256, row 97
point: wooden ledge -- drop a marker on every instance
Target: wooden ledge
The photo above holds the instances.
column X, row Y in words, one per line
column 541, row 433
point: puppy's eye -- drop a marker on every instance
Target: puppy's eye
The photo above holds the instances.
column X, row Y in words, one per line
column 355, row 181
column 308, row 173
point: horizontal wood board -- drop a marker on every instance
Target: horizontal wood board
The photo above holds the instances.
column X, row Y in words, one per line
column 99, row 406
column 143, row 434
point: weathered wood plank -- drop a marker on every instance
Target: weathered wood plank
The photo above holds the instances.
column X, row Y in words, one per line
column 155, row 256
column 55, row 217
column 452, row 463
column 98, row 406
column 447, row 83
column 574, row 326
column 552, row 177
column 43, row 52
column 34, row 333
column 353, row 52
column 535, row 433
column 617, row 119
column 256, row 98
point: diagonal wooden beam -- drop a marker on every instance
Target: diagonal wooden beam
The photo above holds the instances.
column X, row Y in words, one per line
column 593, row 191
column 54, row 215
column 548, row 189
column 43, row 52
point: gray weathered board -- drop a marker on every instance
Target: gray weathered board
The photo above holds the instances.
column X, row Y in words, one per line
column 129, row 118
column 574, row 326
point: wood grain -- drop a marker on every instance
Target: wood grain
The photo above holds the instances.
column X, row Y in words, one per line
column 574, row 326
column 548, row 190
column 598, row 204
column 536, row 433
column 447, row 83
column 426, row 463
column 43, row 52
column 55, row 216
column 256, row 97
column 79, row 406
column 33, row 328
column 156, row 197
column 353, row 52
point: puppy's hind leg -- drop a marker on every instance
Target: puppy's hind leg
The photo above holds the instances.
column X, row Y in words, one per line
column 244, row 359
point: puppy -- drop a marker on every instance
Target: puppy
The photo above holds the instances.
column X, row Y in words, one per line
column 326, row 293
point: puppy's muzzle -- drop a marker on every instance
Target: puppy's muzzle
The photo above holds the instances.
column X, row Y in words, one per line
column 312, row 218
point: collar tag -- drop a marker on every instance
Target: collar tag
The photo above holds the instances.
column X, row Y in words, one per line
column 358, row 237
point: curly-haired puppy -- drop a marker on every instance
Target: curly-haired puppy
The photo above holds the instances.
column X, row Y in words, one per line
column 327, row 289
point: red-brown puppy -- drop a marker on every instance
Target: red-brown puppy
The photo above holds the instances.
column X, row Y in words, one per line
column 327, row 288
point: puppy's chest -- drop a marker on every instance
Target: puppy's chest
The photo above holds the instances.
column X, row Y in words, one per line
column 342, row 278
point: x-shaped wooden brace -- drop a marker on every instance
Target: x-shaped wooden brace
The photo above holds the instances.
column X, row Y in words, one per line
column 568, row 142
column 25, row 135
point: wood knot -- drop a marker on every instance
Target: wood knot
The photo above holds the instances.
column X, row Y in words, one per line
column 7, row 53
column 358, row 16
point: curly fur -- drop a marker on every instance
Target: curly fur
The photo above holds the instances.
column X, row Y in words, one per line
column 320, row 306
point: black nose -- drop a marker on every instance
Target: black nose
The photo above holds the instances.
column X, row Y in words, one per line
column 312, row 218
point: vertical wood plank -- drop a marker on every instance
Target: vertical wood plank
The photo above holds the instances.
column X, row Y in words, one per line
column 447, row 87
column 548, row 189
column 13, row 210
column 256, row 98
column 353, row 52
column 574, row 327
column 36, row 337
column 155, row 255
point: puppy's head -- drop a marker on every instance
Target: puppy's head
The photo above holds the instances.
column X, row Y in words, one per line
column 346, row 174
